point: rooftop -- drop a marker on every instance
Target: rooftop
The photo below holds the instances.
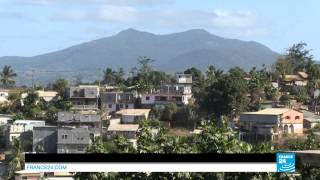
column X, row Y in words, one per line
column 47, row 93
column 88, row 86
column 270, row 111
column 310, row 116
column 298, row 77
column 27, row 121
column 133, row 112
column 123, row 127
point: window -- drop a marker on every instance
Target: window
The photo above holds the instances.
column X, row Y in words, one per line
column 287, row 117
column 110, row 105
column 127, row 106
column 147, row 98
column 121, row 106
column 79, row 148
column 64, row 136
column 297, row 117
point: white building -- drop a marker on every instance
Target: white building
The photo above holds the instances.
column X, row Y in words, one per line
column 129, row 116
column 179, row 93
column 4, row 118
column 23, row 126
column 117, row 129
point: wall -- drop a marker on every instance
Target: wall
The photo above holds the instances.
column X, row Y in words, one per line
column 45, row 137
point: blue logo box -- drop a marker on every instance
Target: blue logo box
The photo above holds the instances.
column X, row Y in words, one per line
column 286, row 162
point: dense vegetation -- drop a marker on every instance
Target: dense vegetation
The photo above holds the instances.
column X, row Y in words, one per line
column 219, row 97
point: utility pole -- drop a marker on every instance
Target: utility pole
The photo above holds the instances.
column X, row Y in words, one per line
column 99, row 76
column 32, row 76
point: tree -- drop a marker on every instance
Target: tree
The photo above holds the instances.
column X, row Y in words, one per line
column 96, row 146
column 51, row 114
column 7, row 76
column 219, row 138
column 168, row 112
column 258, row 81
column 227, row 96
column 114, row 78
column 196, row 74
column 91, row 176
column 17, row 162
column 186, row 116
column 123, row 145
column 145, row 65
column 60, row 85
column 297, row 58
column 31, row 108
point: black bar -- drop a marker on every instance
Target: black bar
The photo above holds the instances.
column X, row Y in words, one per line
column 151, row 158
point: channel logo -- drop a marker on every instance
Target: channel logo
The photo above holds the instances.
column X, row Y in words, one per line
column 286, row 162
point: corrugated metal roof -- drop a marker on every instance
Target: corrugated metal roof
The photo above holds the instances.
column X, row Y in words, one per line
column 270, row 111
column 133, row 112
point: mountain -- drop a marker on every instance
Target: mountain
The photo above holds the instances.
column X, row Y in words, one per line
column 172, row 52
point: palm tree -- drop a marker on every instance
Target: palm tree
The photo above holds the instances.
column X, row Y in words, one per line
column 17, row 162
column 7, row 76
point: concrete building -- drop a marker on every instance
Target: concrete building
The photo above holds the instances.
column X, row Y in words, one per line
column 23, row 129
column 115, row 101
column 182, row 78
column 80, row 118
column 47, row 96
column 179, row 93
column 133, row 116
column 4, row 97
column 84, row 97
column 76, row 139
column 299, row 79
column 45, row 139
column 310, row 119
column 117, row 129
column 271, row 123
column 5, row 118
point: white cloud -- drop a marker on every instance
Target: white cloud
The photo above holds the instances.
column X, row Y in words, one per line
column 238, row 19
column 240, row 23
column 117, row 13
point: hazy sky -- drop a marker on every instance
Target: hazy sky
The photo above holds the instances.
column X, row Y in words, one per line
column 31, row 27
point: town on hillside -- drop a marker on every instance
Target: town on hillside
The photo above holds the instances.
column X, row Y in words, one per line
column 263, row 110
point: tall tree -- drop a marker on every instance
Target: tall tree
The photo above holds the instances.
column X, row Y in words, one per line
column 7, row 76
column 60, row 85
column 17, row 162
column 227, row 96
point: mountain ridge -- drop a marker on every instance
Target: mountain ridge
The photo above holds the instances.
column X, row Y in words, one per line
column 172, row 52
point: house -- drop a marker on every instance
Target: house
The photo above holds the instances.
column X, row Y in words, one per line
column 75, row 139
column 115, row 101
column 271, row 123
column 5, row 118
column 47, row 95
column 117, row 129
column 79, row 118
column 4, row 97
column 84, row 97
column 179, row 93
column 45, row 139
column 23, row 129
column 128, row 116
column 310, row 119
column 299, row 79
column 182, row 78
